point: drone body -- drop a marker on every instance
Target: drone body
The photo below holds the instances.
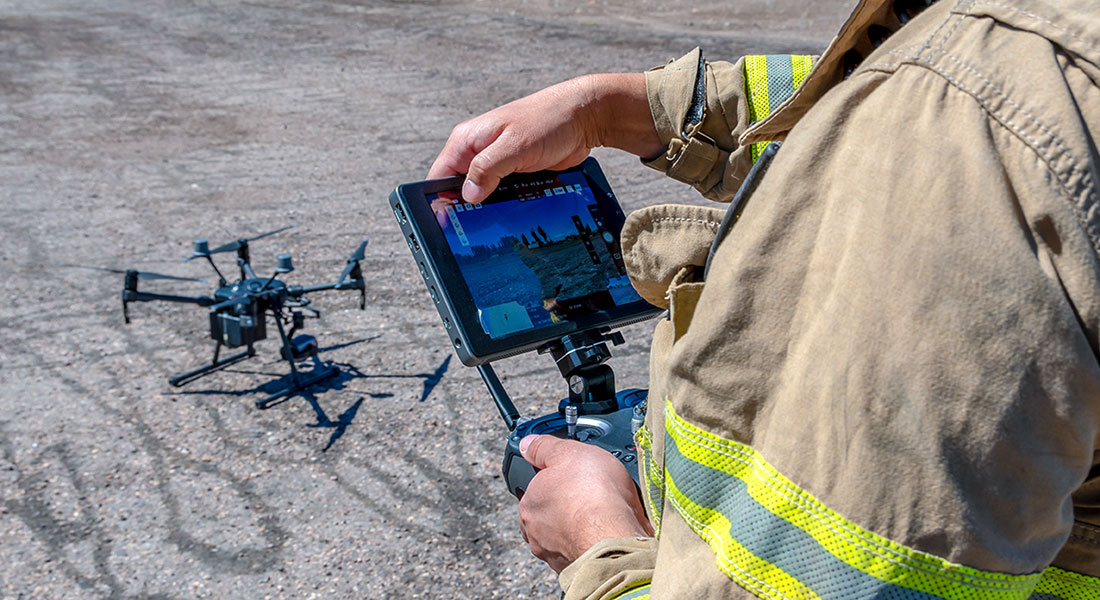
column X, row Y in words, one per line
column 239, row 311
column 244, row 324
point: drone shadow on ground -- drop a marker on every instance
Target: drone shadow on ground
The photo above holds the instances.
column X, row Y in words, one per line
column 346, row 373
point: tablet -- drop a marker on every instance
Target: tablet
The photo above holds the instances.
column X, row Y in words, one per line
column 536, row 260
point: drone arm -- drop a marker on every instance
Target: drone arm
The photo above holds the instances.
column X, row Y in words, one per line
column 297, row 290
column 349, row 284
column 351, row 278
column 129, row 296
column 135, row 296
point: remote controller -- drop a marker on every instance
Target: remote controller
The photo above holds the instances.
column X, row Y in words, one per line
column 613, row 431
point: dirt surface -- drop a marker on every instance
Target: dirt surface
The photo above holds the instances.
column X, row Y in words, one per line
column 127, row 129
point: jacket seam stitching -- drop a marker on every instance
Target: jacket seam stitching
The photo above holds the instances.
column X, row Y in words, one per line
column 1086, row 534
column 1029, row 141
column 1033, row 16
column 947, row 36
column 1086, row 179
column 685, row 220
column 928, row 43
column 1084, row 541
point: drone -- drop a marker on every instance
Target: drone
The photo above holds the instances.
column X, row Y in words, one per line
column 239, row 310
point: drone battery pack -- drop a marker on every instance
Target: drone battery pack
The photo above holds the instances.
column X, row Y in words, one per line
column 237, row 330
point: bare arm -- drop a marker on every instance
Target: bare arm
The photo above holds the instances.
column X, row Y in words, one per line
column 554, row 128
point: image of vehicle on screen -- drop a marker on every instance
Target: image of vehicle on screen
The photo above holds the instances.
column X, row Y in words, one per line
column 535, row 257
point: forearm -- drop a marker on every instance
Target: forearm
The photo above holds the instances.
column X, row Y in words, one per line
column 620, row 114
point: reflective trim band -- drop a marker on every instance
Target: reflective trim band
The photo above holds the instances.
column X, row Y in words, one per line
column 1058, row 584
column 638, row 593
column 778, row 541
column 800, row 68
column 652, row 477
column 756, row 87
column 769, row 81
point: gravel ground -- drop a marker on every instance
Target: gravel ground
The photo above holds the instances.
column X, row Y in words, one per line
column 129, row 128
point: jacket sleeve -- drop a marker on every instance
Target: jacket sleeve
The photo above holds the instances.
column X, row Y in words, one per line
column 616, row 569
column 700, row 109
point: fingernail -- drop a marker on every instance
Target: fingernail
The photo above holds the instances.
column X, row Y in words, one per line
column 526, row 443
column 470, row 191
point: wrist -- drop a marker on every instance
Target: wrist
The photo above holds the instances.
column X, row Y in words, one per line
column 616, row 112
column 606, row 526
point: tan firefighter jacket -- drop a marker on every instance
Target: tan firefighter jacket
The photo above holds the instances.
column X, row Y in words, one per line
column 887, row 385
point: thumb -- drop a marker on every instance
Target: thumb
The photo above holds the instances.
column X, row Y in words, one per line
column 540, row 450
column 500, row 158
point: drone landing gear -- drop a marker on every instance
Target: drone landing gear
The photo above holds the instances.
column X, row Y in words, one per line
column 301, row 382
column 188, row 377
column 295, row 349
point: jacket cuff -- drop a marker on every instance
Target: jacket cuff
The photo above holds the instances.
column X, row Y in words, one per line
column 609, row 568
column 699, row 111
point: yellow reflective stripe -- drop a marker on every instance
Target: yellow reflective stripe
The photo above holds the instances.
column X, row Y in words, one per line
column 756, row 84
column 635, row 593
column 768, row 532
column 800, row 68
column 756, row 92
column 757, row 149
column 760, row 576
column 1059, row 584
column 769, row 81
column 652, row 478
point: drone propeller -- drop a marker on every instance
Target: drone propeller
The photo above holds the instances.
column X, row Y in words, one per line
column 140, row 274
column 361, row 252
column 353, row 260
column 353, row 268
column 235, row 245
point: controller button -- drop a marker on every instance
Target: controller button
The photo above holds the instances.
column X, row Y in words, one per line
column 628, row 458
column 616, row 453
column 631, row 447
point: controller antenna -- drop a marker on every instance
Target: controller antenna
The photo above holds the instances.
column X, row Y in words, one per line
column 571, row 420
column 504, row 404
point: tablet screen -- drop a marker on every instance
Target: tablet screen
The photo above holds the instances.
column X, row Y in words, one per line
column 535, row 253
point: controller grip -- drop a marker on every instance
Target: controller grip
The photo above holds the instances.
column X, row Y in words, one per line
column 611, row 431
column 517, row 471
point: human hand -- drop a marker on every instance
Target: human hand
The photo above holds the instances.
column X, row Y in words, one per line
column 580, row 496
column 554, row 128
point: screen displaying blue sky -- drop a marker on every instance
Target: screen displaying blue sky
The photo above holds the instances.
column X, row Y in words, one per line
column 523, row 258
column 487, row 226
